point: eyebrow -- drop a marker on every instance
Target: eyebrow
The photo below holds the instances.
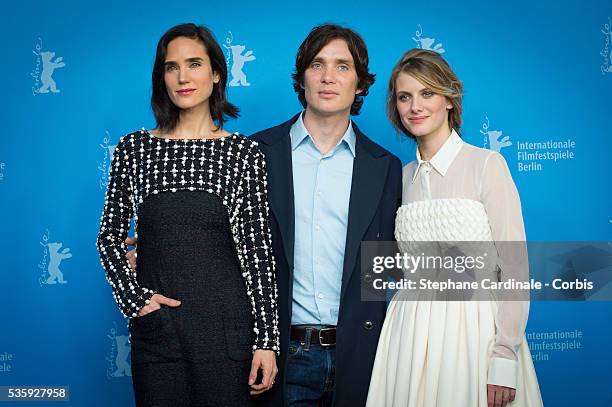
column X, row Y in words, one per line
column 192, row 59
column 420, row 90
column 338, row 61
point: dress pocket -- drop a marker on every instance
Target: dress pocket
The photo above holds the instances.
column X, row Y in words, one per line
column 146, row 323
column 239, row 337
column 153, row 338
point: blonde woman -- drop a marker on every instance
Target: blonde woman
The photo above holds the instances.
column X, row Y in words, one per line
column 451, row 353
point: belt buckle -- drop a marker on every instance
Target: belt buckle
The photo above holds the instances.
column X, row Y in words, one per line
column 321, row 337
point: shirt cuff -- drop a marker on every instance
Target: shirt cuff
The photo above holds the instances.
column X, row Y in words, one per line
column 261, row 344
column 503, row 372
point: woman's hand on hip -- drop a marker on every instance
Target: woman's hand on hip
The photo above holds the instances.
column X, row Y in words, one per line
column 156, row 302
column 266, row 361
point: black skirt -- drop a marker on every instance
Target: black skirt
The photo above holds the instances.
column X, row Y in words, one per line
column 200, row 353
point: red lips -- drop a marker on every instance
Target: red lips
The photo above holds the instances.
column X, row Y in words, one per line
column 185, row 92
column 417, row 120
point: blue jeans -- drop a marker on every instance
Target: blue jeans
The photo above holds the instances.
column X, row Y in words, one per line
column 310, row 374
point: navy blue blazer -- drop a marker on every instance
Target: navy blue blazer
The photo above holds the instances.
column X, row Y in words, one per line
column 376, row 193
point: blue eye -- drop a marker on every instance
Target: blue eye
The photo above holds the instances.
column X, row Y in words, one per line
column 316, row 65
column 402, row 98
column 427, row 93
column 343, row 68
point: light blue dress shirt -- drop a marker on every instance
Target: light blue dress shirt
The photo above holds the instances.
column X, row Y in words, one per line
column 322, row 190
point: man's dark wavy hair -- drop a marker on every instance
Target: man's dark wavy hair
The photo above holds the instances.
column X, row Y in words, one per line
column 318, row 38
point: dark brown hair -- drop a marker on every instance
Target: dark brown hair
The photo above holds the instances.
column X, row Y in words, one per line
column 165, row 111
column 429, row 68
column 318, row 38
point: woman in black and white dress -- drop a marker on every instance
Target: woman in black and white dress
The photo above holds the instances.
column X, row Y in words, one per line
column 202, row 305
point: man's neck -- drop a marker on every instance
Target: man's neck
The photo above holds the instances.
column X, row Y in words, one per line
column 326, row 131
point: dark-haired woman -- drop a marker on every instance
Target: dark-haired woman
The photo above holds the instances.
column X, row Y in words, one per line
column 202, row 306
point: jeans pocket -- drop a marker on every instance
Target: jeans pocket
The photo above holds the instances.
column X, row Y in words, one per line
column 239, row 337
column 295, row 351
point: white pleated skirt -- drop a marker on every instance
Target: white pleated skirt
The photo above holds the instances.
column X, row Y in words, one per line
column 436, row 354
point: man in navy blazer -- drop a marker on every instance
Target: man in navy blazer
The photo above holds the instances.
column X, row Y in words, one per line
column 330, row 188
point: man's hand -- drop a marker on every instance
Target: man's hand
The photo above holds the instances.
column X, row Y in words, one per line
column 499, row 396
column 266, row 361
column 131, row 255
column 156, row 302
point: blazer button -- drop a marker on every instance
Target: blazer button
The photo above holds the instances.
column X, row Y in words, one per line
column 367, row 278
column 368, row 325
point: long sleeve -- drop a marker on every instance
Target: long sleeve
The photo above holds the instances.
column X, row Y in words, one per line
column 114, row 225
column 252, row 232
column 502, row 203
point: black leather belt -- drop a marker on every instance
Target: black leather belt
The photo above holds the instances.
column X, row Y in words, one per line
column 325, row 336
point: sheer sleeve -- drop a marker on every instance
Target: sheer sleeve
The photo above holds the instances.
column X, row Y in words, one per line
column 502, row 203
column 114, row 225
column 254, row 245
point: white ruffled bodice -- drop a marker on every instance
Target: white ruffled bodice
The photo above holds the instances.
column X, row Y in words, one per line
column 442, row 220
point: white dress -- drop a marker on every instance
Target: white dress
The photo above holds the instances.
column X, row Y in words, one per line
column 444, row 353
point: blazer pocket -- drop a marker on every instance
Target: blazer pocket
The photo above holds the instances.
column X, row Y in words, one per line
column 239, row 337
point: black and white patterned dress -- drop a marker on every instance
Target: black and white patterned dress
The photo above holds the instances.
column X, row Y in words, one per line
column 201, row 217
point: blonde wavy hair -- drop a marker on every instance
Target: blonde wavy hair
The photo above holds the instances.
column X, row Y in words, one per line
column 429, row 68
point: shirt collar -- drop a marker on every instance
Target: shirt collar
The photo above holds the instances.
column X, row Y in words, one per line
column 299, row 133
column 445, row 156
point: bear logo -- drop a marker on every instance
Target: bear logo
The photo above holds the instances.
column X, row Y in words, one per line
column 427, row 43
column 238, row 59
column 49, row 66
column 121, row 358
column 497, row 141
column 56, row 257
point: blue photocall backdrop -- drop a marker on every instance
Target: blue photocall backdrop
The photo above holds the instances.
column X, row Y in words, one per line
column 76, row 77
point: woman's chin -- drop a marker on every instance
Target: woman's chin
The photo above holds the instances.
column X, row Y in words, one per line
column 418, row 134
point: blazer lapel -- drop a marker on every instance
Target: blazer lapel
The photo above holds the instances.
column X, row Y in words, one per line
column 280, row 190
column 369, row 174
